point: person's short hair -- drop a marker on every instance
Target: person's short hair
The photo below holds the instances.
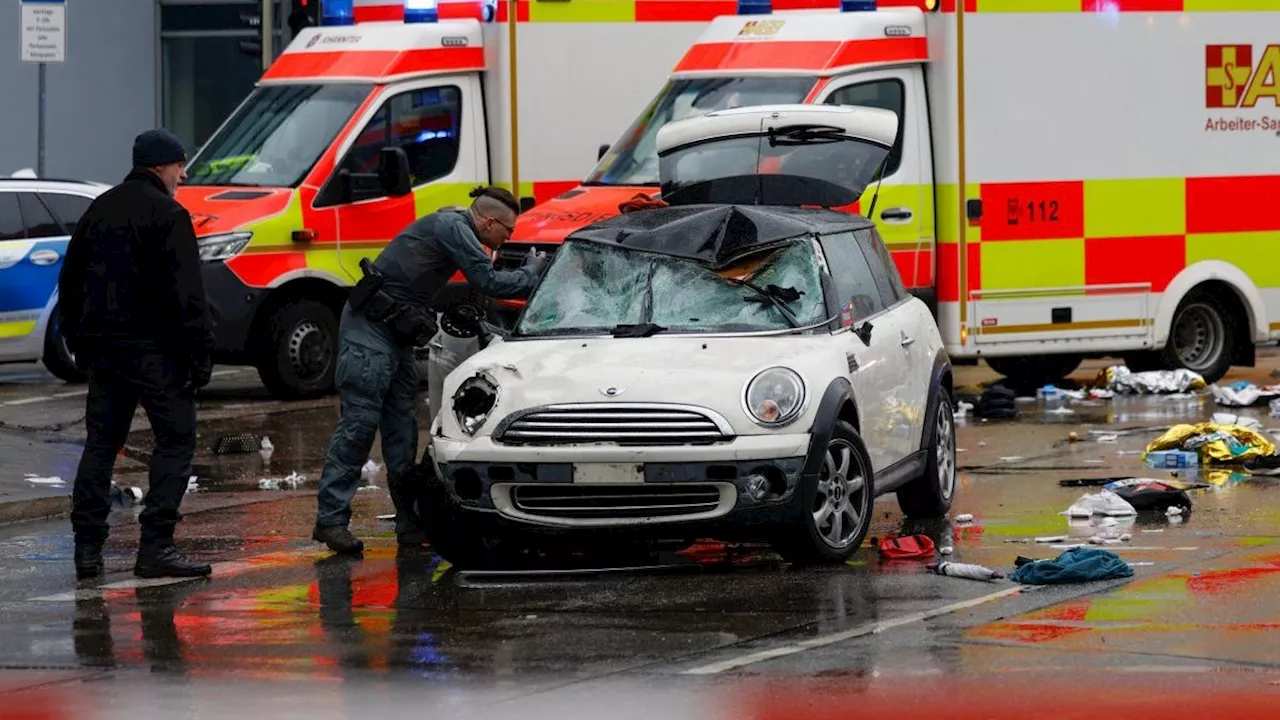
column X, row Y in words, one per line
column 487, row 197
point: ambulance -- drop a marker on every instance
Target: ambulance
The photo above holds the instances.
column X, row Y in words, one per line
column 1072, row 178
column 387, row 111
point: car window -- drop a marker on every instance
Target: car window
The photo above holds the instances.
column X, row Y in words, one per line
column 11, row 227
column 67, row 209
column 858, row 295
column 39, row 222
column 883, row 94
column 425, row 123
column 883, row 268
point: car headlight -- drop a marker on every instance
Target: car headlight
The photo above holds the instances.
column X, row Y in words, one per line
column 775, row 396
column 223, row 247
column 474, row 399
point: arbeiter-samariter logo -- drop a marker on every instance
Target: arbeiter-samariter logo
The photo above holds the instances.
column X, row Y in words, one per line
column 1233, row 81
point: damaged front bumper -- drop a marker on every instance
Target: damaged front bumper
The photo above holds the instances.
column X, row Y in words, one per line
column 749, row 482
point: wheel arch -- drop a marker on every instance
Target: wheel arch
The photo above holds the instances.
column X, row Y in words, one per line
column 838, row 403
column 318, row 287
column 1224, row 280
column 940, row 377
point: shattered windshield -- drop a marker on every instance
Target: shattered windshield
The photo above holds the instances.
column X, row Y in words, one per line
column 275, row 138
column 596, row 289
column 633, row 159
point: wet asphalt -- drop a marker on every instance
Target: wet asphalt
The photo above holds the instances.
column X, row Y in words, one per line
column 283, row 629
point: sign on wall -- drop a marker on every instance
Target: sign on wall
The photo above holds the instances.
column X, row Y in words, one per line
column 44, row 31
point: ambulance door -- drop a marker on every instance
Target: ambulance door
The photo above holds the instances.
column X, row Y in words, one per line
column 433, row 122
column 904, row 209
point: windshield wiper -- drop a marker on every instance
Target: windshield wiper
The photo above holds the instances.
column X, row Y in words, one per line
column 642, row 330
column 779, row 297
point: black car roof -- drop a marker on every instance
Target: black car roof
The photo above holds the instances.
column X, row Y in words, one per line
column 715, row 235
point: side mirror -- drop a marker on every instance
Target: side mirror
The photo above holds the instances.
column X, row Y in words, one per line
column 393, row 172
column 527, row 203
column 864, row 332
column 601, row 151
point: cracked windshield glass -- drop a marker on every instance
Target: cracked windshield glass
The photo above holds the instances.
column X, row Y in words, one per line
column 592, row 288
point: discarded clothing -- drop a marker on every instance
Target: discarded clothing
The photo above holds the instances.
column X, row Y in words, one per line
column 1076, row 565
column 1123, row 381
column 1145, row 494
column 1223, row 444
column 1244, row 394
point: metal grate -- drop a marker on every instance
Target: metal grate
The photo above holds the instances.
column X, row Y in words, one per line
column 590, row 502
column 619, row 424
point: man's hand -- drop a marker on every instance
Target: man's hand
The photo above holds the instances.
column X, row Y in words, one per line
column 201, row 372
column 537, row 262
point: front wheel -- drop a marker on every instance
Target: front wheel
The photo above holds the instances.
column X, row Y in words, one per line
column 931, row 494
column 58, row 358
column 1201, row 337
column 299, row 350
column 837, row 504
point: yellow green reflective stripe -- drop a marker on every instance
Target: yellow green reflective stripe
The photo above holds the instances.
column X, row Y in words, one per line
column 1028, row 6
column 582, row 11
column 1249, row 251
column 1032, row 264
column 950, row 214
column 276, row 231
column 17, row 328
column 1135, row 208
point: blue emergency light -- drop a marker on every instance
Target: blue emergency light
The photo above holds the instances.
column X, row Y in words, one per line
column 857, row 5
column 338, row 12
column 421, row 11
column 755, row 7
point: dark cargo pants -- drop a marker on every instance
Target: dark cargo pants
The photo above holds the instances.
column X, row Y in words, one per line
column 118, row 381
column 377, row 384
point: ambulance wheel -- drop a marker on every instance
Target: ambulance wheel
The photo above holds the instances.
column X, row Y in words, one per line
column 1035, row 370
column 299, row 351
column 57, row 357
column 1201, row 337
column 835, row 505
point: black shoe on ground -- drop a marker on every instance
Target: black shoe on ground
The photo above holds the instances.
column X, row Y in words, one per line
column 1264, row 465
column 338, row 538
column 88, row 561
column 167, row 561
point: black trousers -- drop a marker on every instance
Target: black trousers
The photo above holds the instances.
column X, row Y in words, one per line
column 118, row 382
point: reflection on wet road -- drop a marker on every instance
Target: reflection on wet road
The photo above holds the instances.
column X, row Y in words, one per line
column 285, row 630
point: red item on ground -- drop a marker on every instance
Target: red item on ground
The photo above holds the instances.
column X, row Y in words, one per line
column 910, row 547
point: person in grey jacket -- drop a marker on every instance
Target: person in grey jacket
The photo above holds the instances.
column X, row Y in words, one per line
column 388, row 314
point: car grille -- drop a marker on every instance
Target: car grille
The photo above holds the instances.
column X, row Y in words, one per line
column 619, row 424
column 598, row 502
column 513, row 254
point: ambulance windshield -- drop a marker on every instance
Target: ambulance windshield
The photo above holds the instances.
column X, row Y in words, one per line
column 276, row 136
column 633, row 160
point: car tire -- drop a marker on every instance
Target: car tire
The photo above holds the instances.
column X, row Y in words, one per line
column 1035, row 370
column 468, row 540
column 299, row 351
column 57, row 356
column 1201, row 337
column 931, row 494
column 836, row 494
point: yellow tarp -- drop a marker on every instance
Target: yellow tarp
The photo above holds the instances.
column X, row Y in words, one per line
column 1233, row 444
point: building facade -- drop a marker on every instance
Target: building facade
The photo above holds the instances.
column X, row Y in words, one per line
column 130, row 65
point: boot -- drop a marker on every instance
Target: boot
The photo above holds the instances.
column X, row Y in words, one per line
column 338, row 538
column 166, row 561
column 88, row 560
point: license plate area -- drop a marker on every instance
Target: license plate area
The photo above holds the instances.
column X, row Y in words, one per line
column 608, row 473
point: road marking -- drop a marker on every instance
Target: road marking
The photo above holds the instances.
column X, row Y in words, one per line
column 82, row 393
column 860, row 631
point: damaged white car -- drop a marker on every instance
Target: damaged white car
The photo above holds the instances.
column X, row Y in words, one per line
column 744, row 363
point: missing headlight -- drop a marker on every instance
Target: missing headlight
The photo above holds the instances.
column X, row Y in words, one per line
column 474, row 400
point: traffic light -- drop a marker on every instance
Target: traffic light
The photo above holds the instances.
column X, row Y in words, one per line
column 303, row 15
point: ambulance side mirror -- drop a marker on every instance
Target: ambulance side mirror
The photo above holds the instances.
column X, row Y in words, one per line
column 393, row 172
column 601, row 152
column 527, row 203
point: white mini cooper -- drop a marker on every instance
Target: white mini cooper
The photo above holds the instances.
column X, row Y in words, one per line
column 744, row 363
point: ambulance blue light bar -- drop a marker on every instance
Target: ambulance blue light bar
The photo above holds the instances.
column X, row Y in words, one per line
column 421, row 11
column 338, row 12
column 755, row 7
column 857, row 5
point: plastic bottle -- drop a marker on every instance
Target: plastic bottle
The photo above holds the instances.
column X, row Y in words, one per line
column 965, row 570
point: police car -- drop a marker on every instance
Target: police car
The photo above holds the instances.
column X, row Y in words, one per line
column 37, row 218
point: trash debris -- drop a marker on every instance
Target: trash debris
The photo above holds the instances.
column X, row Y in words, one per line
column 1145, row 494
column 1100, row 503
column 234, row 444
column 1108, row 438
column 996, row 402
column 1224, row 444
column 1173, row 511
column 946, row 550
column 1050, row 398
column 963, row 408
column 1073, row 436
column 1123, row 381
column 964, row 570
column 34, row 480
column 1171, row 459
column 1244, row 394
column 1011, row 458
column 265, row 448
column 292, row 482
column 908, row 547
column 125, row 496
column 1226, row 418
column 964, row 518
column 1078, row 564
column 192, row 485
column 370, row 470
column 387, row 518
column 1052, row 539
column 366, row 488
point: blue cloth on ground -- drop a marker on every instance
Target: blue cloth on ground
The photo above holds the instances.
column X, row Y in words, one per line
column 1080, row 564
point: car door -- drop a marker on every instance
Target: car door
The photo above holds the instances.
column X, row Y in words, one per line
column 430, row 122
column 907, row 407
column 31, row 249
column 54, row 231
column 875, row 367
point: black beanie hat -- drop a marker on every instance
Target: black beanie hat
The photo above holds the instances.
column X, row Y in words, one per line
column 157, row 147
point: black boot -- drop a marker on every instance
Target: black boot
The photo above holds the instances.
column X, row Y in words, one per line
column 338, row 538
column 166, row 561
column 88, row 561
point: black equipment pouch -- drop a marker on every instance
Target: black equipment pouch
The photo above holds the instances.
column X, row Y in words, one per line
column 412, row 327
column 368, row 286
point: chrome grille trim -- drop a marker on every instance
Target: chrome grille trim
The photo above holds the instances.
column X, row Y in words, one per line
column 605, row 505
column 614, row 423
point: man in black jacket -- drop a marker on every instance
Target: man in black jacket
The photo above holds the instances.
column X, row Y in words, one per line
column 134, row 312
